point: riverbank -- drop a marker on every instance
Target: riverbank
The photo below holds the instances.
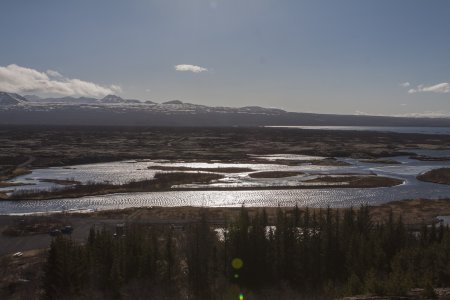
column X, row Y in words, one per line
column 441, row 176
column 414, row 212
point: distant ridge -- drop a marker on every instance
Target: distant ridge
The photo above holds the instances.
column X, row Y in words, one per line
column 178, row 102
column 113, row 110
column 111, row 99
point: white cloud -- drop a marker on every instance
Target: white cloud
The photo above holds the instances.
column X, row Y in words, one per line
column 405, row 84
column 440, row 88
column 115, row 88
column 190, row 68
column 17, row 79
column 53, row 73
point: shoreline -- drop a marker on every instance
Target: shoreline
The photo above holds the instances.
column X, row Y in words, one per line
column 413, row 211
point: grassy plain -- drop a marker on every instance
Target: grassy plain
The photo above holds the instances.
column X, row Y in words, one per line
column 63, row 146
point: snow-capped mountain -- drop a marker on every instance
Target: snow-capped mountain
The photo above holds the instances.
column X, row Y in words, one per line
column 111, row 99
column 113, row 110
column 34, row 100
column 116, row 102
column 11, row 99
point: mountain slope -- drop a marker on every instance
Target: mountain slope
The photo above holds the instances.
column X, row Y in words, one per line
column 11, row 99
column 111, row 99
column 113, row 110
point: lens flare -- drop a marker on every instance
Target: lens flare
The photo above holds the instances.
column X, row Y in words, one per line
column 237, row 263
column 241, row 296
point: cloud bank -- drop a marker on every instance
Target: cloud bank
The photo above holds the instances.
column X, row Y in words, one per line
column 190, row 68
column 17, row 79
column 440, row 88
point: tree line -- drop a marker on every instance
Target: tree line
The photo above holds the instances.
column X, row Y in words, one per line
column 300, row 253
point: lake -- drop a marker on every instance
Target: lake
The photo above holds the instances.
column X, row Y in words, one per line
column 398, row 129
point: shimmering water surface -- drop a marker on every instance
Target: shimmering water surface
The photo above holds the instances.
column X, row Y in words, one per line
column 398, row 129
column 121, row 172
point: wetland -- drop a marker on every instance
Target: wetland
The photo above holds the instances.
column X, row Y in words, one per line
column 101, row 168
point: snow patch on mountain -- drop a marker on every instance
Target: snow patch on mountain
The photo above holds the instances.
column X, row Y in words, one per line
column 11, row 99
column 111, row 99
column 114, row 102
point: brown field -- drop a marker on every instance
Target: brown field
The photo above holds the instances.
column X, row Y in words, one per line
column 355, row 181
column 274, row 174
column 441, row 175
column 429, row 158
column 8, row 184
column 415, row 212
column 62, row 146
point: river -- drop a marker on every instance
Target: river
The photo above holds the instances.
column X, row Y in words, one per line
column 124, row 171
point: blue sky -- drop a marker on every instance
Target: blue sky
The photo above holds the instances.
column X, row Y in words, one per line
column 349, row 56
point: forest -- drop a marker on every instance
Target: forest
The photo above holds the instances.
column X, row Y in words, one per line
column 299, row 254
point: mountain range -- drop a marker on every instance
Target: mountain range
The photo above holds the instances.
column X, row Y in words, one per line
column 113, row 110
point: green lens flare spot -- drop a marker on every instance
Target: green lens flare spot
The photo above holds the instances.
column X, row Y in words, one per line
column 237, row 263
column 236, row 276
column 241, row 296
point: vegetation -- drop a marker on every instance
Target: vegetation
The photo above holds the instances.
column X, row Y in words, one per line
column 68, row 181
column 314, row 253
column 430, row 158
column 441, row 175
column 360, row 181
column 161, row 182
column 71, row 145
column 329, row 162
column 11, row 172
column 9, row 184
column 274, row 174
column 33, row 225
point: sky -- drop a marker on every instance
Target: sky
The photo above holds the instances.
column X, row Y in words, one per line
column 380, row 57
